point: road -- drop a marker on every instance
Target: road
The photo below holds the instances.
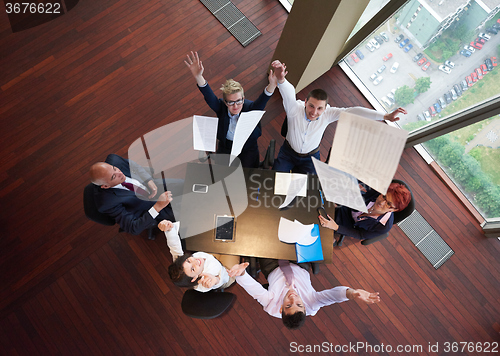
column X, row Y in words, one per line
column 409, row 71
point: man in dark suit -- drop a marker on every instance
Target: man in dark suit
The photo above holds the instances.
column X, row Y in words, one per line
column 228, row 110
column 124, row 189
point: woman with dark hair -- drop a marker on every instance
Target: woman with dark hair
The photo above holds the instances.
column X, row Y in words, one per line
column 377, row 221
column 202, row 271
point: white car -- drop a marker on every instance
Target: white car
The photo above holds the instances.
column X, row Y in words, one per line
column 370, row 47
column 484, row 36
column 444, row 68
column 391, row 97
column 394, row 67
column 373, row 76
column 449, row 64
column 384, row 36
column 386, row 102
column 469, row 48
column 374, row 43
column 427, row 115
column 378, row 80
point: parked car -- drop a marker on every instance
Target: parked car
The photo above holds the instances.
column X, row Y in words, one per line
column 384, row 36
column 447, row 98
column 442, row 102
column 492, row 30
column 454, row 95
column 476, row 45
column 421, row 61
column 354, row 57
column 488, row 63
column 464, row 85
column 407, row 48
column 381, row 69
column 469, row 80
column 370, row 47
column 379, row 39
column 350, row 61
column 373, row 76
column 449, row 64
column 432, row 110
column 386, row 102
column 479, row 73
column 437, row 107
column 480, row 40
column 474, row 77
column 417, row 57
column 458, row 89
column 404, row 43
column 484, row 36
column 469, row 48
column 394, row 67
column 399, row 38
column 444, row 68
column 426, row 66
column 483, row 69
column 378, row 80
column 465, row 53
column 420, row 117
column 374, row 43
column 494, row 61
column 386, row 58
column 427, row 115
column 391, row 97
column 360, row 54
column 496, row 26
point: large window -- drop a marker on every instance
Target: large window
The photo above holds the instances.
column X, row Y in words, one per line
column 438, row 59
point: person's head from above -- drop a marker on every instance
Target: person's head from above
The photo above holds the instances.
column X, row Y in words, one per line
column 396, row 199
column 233, row 95
column 186, row 269
column 293, row 310
column 105, row 175
column 316, row 102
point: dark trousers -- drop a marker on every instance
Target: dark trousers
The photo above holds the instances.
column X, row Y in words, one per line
column 249, row 156
column 288, row 160
column 267, row 265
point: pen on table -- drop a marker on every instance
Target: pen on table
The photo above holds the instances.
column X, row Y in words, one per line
column 321, row 196
column 258, row 191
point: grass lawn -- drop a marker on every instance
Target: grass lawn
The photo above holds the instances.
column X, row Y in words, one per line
column 489, row 159
column 467, row 133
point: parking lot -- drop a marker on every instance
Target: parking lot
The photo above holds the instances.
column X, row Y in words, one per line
column 409, row 71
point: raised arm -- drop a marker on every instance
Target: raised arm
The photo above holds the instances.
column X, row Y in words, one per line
column 195, row 65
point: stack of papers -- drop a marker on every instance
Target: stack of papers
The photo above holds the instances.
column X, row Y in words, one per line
column 306, row 238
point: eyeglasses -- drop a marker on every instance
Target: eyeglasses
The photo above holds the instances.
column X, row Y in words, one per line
column 389, row 204
column 236, row 102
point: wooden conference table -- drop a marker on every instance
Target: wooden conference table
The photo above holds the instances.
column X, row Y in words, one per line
column 248, row 194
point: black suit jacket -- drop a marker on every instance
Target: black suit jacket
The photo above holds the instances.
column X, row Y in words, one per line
column 129, row 211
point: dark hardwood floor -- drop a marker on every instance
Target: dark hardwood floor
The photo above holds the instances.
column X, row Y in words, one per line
column 93, row 81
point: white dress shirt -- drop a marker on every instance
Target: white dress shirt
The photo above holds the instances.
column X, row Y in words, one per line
column 305, row 135
column 215, row 268
column 272, row 298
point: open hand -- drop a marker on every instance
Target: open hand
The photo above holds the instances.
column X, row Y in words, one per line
column 279, row 70
column 195, row 65
column 207, row 280
column 393, row 116
column 366, row 297
column 237, row 270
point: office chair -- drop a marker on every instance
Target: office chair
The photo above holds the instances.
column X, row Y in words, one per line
column 207, row 305
column 95, row 215
column 398, row 216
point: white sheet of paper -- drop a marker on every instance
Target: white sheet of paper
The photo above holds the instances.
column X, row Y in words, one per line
column 282, row 183
column 296, row 186
column 368, row 150
column 294, row 231
column 339, row 187
column 204, row 133
column 244, row 128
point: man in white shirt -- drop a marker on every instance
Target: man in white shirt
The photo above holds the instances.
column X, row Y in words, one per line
column 290, row 295
column 307, row 122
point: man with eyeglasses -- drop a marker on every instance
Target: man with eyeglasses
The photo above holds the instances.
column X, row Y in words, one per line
column 228, row 110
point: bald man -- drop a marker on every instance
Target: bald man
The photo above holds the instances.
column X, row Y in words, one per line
column 131, row 202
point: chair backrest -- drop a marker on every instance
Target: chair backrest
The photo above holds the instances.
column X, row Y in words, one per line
column 91, row 209
column 207, row 305
column 269, row 158
column 403, row 214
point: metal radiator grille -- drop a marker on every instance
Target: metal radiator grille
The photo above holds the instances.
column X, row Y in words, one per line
column 426, row 239
column 233, row 20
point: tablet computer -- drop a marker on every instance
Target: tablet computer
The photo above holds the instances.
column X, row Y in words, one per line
column 224, row 228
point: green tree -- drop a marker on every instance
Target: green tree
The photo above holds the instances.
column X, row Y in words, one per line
column 404, row 95
column 422, row 84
